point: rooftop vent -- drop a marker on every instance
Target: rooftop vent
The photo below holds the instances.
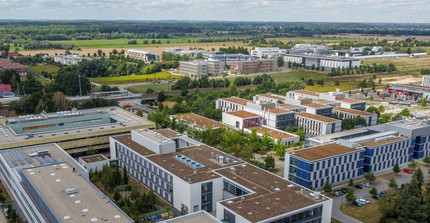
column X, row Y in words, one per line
column 71, row 190
column 190, row 162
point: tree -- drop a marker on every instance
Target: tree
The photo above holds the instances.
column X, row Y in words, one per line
column 381, row 109
column 117, row 196
column 424, row 102
column 327, row 187
column 426, row 160
column 396, row 168
column 310, row 82
column 370, row 177
column 321, row 82
column 269, row 162
column 91, row 151
column 413, row 164
column 371, row 98
column 124, row 175
column 233, row 89
column 280, row 61
column 350, row 196
column 60, row 101
column 351, row 182
column 419, row 176
column 161, row 96
column 393, row 184
column 373, row 190
column 139, row 113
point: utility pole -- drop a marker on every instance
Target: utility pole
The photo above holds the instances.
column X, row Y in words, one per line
column 17, row 86
column 23, row 87
column 80, row 88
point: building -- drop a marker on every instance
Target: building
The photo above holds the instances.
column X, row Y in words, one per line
column 231, row 104
column 286, row 138
column 254, row 66
column 74, row 131
column 273, row 117
column 7, row 64
column 72, row 59
column 228, row 58
column 269, row 98
column 195, row 177
column 195, row 217
column 334, row 137
column 310, row 49
column 352, row 104
column 319, row 109
column 48, row 185
column 5, row 87
column 197, row 121
column 303, row 94
column 241, row 119
column 146, row 56
column 317, row 125
column 198, row 68
column 174, row 50
column 333, row 163
column 93, row 162
column 346, row 113
column 411, row 90
column 327, row 62
column 268, row 52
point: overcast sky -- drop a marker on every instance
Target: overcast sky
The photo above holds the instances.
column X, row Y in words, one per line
column 227, row 10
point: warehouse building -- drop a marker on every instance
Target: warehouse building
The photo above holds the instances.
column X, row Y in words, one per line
column 327, row 62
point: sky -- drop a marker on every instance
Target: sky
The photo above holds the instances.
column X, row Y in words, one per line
column 395, row 11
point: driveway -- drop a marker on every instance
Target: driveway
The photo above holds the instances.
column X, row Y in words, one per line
column 381, row 184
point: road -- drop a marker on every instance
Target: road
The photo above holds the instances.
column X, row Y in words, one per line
column 381, row 184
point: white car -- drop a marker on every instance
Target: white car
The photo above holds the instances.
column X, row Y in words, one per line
column 364, row 200
column 365, row 184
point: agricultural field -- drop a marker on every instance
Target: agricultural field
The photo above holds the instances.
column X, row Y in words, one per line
column 403, row 63
column 143, row 88
column 320, row 40
column 163, row 75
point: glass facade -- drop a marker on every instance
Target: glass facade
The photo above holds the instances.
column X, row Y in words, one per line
column 233, row 189
column 206, row 197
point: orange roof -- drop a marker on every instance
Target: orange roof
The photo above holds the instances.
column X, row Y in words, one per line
column 317, row 117
column 353, row 111
column 243, row 114
column 273, row 132
column 375, row 143
column 236, row 100
column 311, row 93
column 324, row 151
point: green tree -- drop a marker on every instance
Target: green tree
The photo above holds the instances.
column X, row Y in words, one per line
column 373, row 190
column 351, row 182
column 321, row 82
column 280, row 61
column 393, row 183
column 371, row 98
column 419, row 176
column 233, row 90
column 117, row 196
column 139, row 113
column 424, row 102
column 413, row 164
column 370, row 177
column 161, row 96
column 426, row 160
column 350, row 196
column 91, row 151
column 396, row 168
column 381, row 109
column 310, row 82
column 125, row 175
column 269, row 162
column 327, row 187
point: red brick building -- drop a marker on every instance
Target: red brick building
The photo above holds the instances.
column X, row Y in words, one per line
column 6, row 64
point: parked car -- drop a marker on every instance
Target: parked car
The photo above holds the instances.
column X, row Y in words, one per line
column 408, row 171
column 357, row 203
column 336, row 193
column 365, row 184
column 344, row 190
column 383, row 194
column 376, row 196
column 365, row 200
column 359, row 186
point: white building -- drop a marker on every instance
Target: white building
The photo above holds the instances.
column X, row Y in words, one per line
column 144, row 55
column 327, row 62
column 198, row 68
column 371, row 119
column 268, row 52
column 93, row 162
column 68, row 59
column 317, row 125
column 242, row 119
column 197, row 177
column 286, row 138
column 426, row 81
column 174, row 50
column 231, row 104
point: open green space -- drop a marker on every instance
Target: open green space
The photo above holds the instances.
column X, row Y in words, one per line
column 320, row 40
column 368, row 213
column 403, row 63
column 163, row 75
column 38, row 68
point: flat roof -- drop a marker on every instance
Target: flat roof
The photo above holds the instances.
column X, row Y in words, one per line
column 353, row 111
column 333, row 136
column 196, row 217
column 383, row 142
column 311, row 93
column 314, row 105
column 273, row 195
column 236, row 100
column 128, row 120
column 350, row 100
column 127, row 141
column 321, row 152
column 52, row 181
column 199, row 153
column 279, row 111
column 410, row 123
column 168, row 133
column 153, row 136
column 243, row 114
column 199, row 121
column 93, row 158
column 317, row 117
column 273, row 132
column 274, row 96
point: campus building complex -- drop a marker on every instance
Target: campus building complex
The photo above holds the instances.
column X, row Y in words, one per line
column 75, row 130
column 143, row 55
column 49, row 186
column 254, row 66
column 71, row 59
column 197, row 121
column 328, row 62
column 268, row 52
column 191, row 177
column 198, row 68
column 317, row 125
column 340, row 112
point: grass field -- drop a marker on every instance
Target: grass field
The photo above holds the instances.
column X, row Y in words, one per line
column 403, row 63
column 320, row 40
column 163, row 75
column 368, row 213
column 330, row 86
column 37, row 69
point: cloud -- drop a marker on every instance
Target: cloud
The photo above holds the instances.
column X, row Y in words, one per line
column 238, row 10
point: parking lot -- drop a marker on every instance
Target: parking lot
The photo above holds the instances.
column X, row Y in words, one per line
column 381, row 184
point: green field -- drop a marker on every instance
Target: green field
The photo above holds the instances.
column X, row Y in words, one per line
column 368, row 213
column 163, row 75
column 403, row 63
column 320, row 40
column 37, row 69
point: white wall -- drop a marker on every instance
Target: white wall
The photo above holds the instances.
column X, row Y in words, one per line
column 231, row 120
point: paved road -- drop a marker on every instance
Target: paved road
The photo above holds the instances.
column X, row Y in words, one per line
column 381, row 184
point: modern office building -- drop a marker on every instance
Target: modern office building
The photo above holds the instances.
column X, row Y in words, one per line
column 327, row 62
column 75, row 130
column 352, row 104
column 7, row 64
column 197, row 121
column 241, row 119
column 268, row 52
column 333, row 163
column 195, row 217
column 346, row 113
column 191, row 177
column 93, row 162
column 231, row 104
column 269, row 98
column 174, row 50
column 310, row 49
column 302, row 94
column 285, row 137
column 319, row 109
column 317, row 125
column 277, row 118
column 49, row 186
column 143, row 55
column 334, row 137
column 72, row 59
column 254, row 66
column 198, row 68
column 228, row 58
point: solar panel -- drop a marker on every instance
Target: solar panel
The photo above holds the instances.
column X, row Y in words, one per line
column 38, row 160
column 25, row 157
column 11, row 159
column 17, row 157
column 190, row 162
column 53, row 159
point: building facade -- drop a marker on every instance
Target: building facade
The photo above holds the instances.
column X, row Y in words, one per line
column 346, row 113
column 242, row 119
column 143, row 55
column 231, row 104
column 198, row 68
column 317, row 125
column 254, row 66
column 7, row 64
column 268, row 52
column 322, row 61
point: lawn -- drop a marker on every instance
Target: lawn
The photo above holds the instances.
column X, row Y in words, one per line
column 37, row 69
column 368, row 213
column 163, row 75
column 297, row 75
column 330, row 86
column 403, row 63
